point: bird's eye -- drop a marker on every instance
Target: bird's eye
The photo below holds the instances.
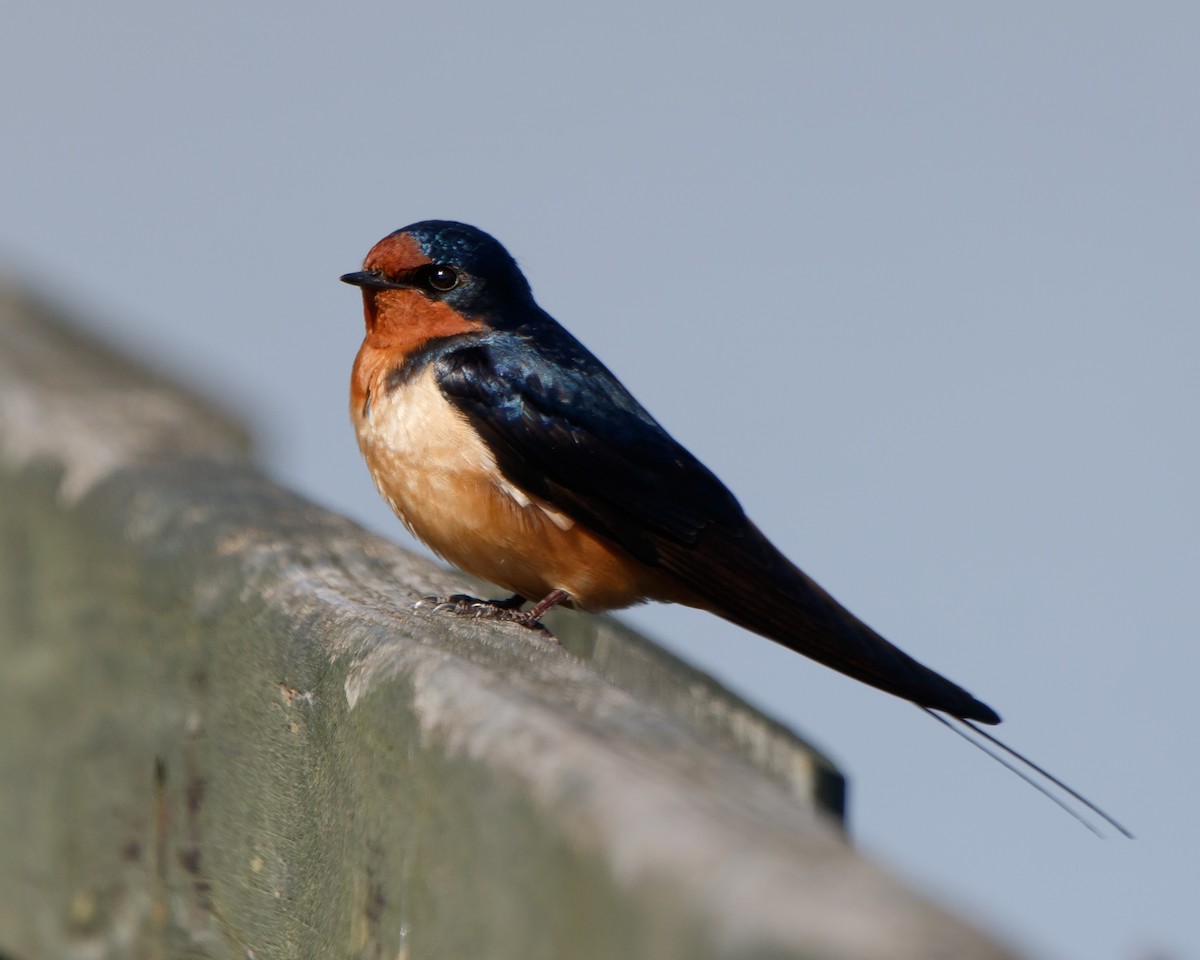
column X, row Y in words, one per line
column 440, row 278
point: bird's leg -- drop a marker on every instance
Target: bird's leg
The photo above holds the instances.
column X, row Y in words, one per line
column 538, row 610
column 508, row 610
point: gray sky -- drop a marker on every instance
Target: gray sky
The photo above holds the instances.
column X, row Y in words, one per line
column 919, row 282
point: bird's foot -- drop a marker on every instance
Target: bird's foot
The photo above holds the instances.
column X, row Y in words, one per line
column 506, row 611
column 465, row 606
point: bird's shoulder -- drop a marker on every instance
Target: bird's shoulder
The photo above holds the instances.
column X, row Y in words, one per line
column 563, row 427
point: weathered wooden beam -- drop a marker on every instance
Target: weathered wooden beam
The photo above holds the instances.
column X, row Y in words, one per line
column 224, row 732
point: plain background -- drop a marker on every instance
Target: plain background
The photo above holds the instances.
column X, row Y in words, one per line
column 919, row 282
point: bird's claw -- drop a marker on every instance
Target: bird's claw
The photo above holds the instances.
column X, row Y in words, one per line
column 462, row 605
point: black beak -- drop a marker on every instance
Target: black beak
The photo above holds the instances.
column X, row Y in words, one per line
column 372, row 280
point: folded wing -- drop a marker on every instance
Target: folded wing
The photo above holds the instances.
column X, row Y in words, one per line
column 580, row 441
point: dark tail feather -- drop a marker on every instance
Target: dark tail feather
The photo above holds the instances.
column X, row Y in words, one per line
column 800, row 615
column 1028, row 778
column 738, row 574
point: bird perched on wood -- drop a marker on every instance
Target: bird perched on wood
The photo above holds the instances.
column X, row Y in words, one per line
column 508, row 448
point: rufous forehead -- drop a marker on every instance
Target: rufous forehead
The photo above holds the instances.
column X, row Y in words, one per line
column 395, row 254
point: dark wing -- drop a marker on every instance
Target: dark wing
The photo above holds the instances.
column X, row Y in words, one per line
column 573, row 435
column 563, row 428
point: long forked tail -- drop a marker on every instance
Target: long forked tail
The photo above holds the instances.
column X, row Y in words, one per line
column 740, row 575
column 1026, row 769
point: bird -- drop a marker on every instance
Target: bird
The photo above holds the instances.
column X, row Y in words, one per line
column 509, row 449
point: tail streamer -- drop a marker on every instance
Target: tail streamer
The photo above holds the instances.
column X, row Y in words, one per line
column 1026, row 768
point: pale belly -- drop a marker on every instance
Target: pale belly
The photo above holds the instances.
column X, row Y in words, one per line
column 442, row 481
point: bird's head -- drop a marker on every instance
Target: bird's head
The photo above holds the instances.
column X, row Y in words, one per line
column 427, row 273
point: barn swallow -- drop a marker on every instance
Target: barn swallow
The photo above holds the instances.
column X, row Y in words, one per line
column 503, row 444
